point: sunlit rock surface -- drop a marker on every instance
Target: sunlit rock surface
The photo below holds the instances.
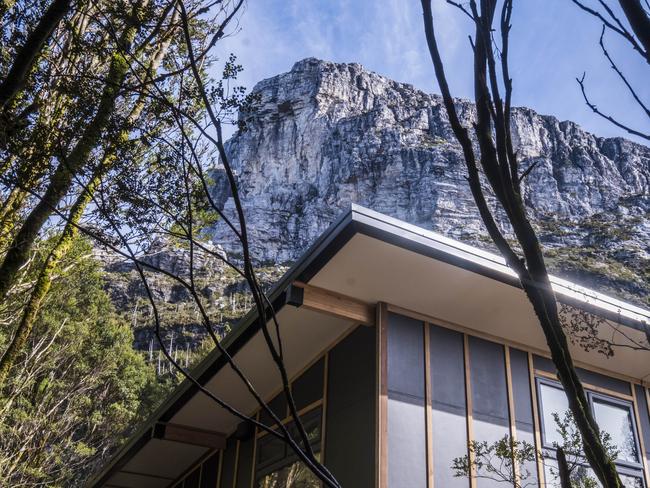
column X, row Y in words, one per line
column 324, row 135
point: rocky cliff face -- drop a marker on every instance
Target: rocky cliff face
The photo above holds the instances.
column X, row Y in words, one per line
column 324, row 135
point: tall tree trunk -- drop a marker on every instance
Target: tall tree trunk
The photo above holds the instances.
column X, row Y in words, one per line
column 36, row 156
column 10, row 208
column 499, row 163
column 69, row 167
column 44, row 282
column 28, row 53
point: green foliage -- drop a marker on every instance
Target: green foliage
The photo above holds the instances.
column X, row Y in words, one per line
column 79, row 386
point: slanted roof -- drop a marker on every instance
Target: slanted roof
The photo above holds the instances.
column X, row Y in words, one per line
column 368, row 257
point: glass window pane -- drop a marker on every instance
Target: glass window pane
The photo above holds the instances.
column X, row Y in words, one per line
column 312, row 423
column 295, row 475
column 616, row 420
column 552, row 400
column 580, row 473
column 631, row 481
column 277, row 466
column 270, row 449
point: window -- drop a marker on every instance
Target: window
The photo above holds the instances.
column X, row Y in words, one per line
column 552, row 402
column 277, row 466
column 553, row 481
column 614, row 416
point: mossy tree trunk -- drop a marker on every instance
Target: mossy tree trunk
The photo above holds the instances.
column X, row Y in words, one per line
column 69, row 166
column 30, row 50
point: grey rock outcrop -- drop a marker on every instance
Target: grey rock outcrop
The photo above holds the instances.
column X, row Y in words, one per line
column 324, row 135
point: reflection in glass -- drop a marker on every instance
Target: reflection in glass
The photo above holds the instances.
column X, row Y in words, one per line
column 579, row 474
column 295, row 475
column 616, row 420
column 277, row 465
column 553, row 400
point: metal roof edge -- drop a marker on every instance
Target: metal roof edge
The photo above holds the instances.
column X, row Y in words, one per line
column 494, row 266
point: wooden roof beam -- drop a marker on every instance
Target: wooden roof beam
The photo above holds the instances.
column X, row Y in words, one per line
column 330, row 302
column 189, row 435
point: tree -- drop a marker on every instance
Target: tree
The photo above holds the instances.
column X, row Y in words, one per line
column 499, row 171
column 80, row 386
column 156, row 187
column 29, row 51
column 132, row 46
column 634, row 29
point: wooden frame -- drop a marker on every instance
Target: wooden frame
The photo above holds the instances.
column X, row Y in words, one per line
column 220, row 468
column 324, row 407
column 189, row 435
column 536, row 423
column 257, row 417
column 511, row 407
column 381, row 429
column 470, row 410
column 598, row 389
column 336, row 304
column 236, row 468
column 428, row 405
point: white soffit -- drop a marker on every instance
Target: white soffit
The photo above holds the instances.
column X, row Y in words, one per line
column 305, row 335
column 496, row 263
column 373, row 270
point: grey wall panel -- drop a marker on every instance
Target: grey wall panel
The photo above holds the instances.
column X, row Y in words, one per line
column 543, row 363
column 489, row 395
column 308, row 387
column 350, row 422
column 245, row 463
column 449, row 423
column 406, row 414
column 590, row 377
column 603, row 381
column 228, row 468
column 488, row 380
column 522, row 400
column 521, row 394
column 210, row 471
column 406, row 442
column 405, row 355
column 644, row 420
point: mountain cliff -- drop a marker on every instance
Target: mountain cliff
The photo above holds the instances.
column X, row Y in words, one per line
column 324, row 135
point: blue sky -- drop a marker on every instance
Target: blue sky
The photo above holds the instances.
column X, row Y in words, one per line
column 552, row 43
